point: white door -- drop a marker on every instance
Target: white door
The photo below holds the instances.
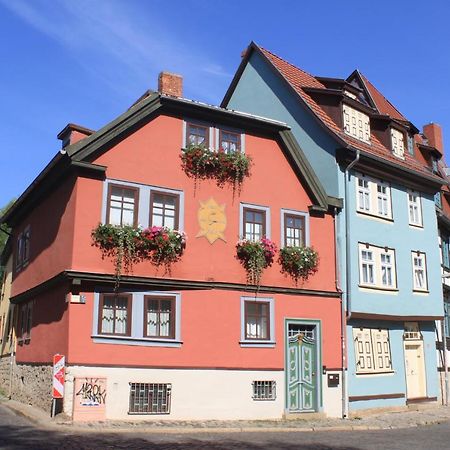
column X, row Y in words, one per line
column 415, row 370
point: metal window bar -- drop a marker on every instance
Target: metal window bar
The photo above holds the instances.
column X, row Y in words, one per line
column 264, row 390
column 150, row 398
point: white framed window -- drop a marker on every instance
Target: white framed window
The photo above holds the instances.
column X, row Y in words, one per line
column 398, row 143
column 377, row 267
column 257, row 322
column 372, row 350
column 419, row 265
column 373, row 197
column 414, row 208
column 254, row 223
column 294, row 228
column 356, row 123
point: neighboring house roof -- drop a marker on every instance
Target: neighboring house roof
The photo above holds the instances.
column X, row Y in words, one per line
column 79, row 155
column 300, row 81
column 383, row 105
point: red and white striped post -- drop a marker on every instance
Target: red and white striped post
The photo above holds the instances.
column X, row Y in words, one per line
column 59, row 362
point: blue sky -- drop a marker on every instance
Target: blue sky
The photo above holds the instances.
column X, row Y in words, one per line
column 86, row 61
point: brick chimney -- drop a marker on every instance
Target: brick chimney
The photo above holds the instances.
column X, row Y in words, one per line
column 433, row 132
column 72, row 133
column 170, row 84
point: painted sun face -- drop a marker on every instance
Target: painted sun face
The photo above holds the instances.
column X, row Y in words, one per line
column 212, row 220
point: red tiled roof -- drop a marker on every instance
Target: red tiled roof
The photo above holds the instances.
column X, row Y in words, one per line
column 299, row 79
column 383, row 105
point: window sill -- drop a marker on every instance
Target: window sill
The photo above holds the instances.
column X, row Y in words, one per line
column 377, row 288
column 130, row 340
column 375, row 374
column 256, row 344
column 370, row 215
column 416, row 226
column 421, row 291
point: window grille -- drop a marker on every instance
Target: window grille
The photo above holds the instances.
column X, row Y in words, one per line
column 150, row 398
column 264, row 390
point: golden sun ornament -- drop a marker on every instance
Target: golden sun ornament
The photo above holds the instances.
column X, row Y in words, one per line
column 212, row 220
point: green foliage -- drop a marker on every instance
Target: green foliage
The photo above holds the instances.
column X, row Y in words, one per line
column 298, row 262
column 127, row 245
column 202, row 163
column 4, row 234
column 255, row 257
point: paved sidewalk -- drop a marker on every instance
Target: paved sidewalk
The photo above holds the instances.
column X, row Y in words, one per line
column 381, row 421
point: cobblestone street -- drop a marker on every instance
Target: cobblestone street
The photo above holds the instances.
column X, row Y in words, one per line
column 17, row 432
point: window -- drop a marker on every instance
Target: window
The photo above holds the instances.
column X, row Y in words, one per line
column 356, row 123
column 412, row 331
column 197, row 134
column 294, row 231
column 377, row 267
column 398, row 143
column 115, row 314
column 122, row 206
column 257, row 319
column 257, row 322
column 150, row 398
column 164, row 210
column 373, row 197
column 25, row 322
column 264, row 390
column 445, row 249
column 447, row 319
column 411, row 145
column 229, row 142
column 419, row 271
column 414, row 208
column 434, row 164
column 372, row 350
column 159, row 317
column 438, row 199
column 23, row 248
column 254, row 224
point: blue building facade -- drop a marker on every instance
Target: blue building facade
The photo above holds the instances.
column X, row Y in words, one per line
column 387, row 238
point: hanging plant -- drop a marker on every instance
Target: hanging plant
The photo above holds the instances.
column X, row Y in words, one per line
column 202, row 163
column 255, row 257
column 127, row 245
column 298, row 262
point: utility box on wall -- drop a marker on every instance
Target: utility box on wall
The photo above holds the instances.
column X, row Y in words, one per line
column 333, row 379
column 89, row 401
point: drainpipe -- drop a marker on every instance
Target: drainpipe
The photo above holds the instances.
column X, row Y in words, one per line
column 346, row 310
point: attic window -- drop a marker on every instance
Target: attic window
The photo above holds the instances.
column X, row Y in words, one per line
column 398, row 143
column 350, row 94
column 356, row 123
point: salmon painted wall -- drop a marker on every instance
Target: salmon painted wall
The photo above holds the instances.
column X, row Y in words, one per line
column 49, row 332
column 151, row 156
column 210, row 332
column 51, row 223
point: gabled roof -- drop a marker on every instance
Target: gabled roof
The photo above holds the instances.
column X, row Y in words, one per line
column 79, row 156
column 299, row 82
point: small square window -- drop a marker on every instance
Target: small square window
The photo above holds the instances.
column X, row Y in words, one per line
column 122, row 205
column 264, row 390
column 197, row 134
column 164, row 210
column 229, row 142
column 254, row 224
column 115, row 314
column 257, row 320
column 150, row 398
column 159, row 317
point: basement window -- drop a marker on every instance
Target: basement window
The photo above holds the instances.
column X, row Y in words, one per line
column 264, row 390
column 150, row 398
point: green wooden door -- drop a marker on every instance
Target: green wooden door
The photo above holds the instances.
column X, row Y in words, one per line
column 302, row 377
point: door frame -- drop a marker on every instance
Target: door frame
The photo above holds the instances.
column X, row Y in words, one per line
column 319, row 394
column 420, row 343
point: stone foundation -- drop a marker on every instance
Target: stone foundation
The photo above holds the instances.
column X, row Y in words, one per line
column 31, row 383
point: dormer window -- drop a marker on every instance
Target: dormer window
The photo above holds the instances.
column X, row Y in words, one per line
column 349, row 94
column 398, row 143
column 356, row 123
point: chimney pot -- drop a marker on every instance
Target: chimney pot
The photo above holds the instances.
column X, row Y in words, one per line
column 170, row 84
column 433, row 132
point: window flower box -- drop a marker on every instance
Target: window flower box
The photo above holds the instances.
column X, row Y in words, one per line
column 298, row 262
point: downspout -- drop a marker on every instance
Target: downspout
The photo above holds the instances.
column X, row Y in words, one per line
column 346, row 310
